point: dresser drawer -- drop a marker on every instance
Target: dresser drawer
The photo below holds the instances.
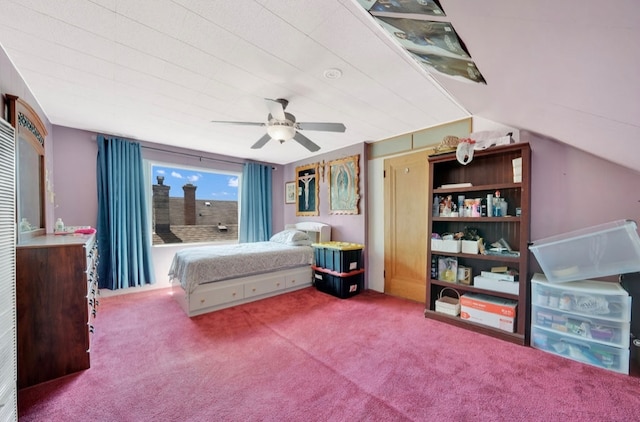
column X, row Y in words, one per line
column 581, row 350
column 611, row 333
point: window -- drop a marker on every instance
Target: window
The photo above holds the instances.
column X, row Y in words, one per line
column 191, row 205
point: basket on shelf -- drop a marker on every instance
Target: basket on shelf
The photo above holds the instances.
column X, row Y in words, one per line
column 448, row 144
column 447, row 304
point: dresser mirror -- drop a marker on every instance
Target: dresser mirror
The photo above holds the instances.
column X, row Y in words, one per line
column 30, row 172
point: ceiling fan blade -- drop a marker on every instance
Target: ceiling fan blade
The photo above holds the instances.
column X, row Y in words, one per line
column 327, row 127
column 261, row 142
column 305, row 142
column 276, row 108
column 240, row 123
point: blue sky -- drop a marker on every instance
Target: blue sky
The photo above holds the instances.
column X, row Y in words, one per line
column 213, row 186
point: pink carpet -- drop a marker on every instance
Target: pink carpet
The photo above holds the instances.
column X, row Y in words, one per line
column 307, row 356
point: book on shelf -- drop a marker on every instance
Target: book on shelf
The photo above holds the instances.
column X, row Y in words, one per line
column 456, row 185
column 508, row 275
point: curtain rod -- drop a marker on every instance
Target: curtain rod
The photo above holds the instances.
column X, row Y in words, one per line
column 191, row 155
column 94, row 138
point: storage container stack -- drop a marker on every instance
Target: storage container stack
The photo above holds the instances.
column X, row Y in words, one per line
column 576, row 317
column 338, row 268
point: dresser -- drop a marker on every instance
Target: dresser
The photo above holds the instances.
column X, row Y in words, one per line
column 56, row 290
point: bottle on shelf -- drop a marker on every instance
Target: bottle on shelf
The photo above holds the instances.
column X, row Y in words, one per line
column 503, row 207
column 24, row 225
column 59, row 226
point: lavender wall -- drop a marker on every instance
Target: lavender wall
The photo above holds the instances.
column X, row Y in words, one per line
column 572, row 189
column 74, row 175
column 346, row 228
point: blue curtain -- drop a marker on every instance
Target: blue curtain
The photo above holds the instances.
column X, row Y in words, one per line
column 255, row 205
column 123, row 226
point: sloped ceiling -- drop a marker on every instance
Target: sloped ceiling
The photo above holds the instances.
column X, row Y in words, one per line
column 161, row 70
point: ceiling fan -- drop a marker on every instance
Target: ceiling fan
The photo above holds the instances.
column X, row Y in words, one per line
column 282, row 126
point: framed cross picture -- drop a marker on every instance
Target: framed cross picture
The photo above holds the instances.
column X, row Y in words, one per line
column 307, row 185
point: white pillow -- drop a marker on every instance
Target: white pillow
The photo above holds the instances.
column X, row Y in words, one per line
column 291, row 237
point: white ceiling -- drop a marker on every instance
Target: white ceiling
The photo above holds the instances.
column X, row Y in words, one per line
column 161, row 70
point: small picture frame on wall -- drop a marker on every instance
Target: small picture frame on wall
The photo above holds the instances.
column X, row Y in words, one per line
column 290, row 193
column 343, row 185
column 307, row 186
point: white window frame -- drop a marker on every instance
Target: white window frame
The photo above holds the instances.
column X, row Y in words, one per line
column 149, row 177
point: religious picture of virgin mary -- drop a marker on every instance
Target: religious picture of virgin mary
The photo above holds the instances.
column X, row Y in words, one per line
column 343, row 185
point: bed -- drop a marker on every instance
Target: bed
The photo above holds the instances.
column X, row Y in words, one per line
column 209, row 278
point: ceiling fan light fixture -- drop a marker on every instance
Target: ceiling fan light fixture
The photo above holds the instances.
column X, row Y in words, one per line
column 282, row 127
column 281, row 132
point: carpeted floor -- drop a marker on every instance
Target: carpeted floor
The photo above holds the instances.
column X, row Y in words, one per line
column 307, row 356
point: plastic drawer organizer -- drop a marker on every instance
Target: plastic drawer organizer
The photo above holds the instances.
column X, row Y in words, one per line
column 587, row 321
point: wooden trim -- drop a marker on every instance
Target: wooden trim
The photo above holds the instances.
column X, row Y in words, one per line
column 30, row 127
column 27, row 122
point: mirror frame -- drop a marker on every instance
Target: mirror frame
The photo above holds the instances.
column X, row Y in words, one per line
column 29, row 127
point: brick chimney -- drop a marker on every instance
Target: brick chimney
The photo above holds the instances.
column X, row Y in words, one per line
column 189, row 204
column 161, row 206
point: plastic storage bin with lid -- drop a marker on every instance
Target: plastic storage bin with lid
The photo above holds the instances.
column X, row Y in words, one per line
column 341, row 257
column 603, row 250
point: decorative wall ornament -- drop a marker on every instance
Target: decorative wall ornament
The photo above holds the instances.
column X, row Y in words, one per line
column 290, row 193
column 307, row 186
column 321, row 166
column 343, row 185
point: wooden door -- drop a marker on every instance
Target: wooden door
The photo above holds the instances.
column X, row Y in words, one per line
column 405, row 214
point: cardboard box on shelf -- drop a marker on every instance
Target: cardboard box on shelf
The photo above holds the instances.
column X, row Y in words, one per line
column 487, row 318
column 451, row 246
column 471, row 246
column 504, row 286
column 489, row 310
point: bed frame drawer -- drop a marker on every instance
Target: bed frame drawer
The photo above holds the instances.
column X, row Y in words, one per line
column 223, row 294
column 216, row 296
column 260, row 287
column 298, row 279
